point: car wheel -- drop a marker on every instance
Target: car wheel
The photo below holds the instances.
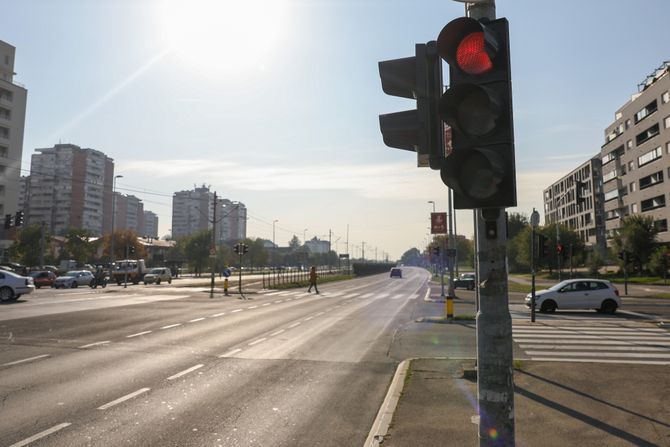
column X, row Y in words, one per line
column 548, row 306
column 74, row 284
column 145, row 283
column 169, row 280
column 158, row 281
column 6, row 294
column 37, row 286
column 608, row 307
column 471, row 287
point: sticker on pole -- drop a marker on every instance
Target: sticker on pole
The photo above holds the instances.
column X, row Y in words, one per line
column 438, row 223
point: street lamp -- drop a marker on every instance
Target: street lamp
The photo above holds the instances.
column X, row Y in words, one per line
column 111, row 254
column 433, row 202
column 274, row 246
column 534, row 222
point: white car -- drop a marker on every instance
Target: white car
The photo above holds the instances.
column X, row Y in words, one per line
column 12, row 286
column 578, row 294
column 73, row 278
column 157, row 275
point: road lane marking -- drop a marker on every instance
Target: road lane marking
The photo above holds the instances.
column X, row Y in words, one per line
column 633, row 362
column 425, row 298
column 277, row 332
column 30, row 359
column 171, row 326
column 308, row 318
column 413, row 297
column 560, row 337
column 600, row 347
column 274, row 293
column 266, row 304
column 98, row 343
column 600, row 354
column 278, row 301
column 123, row 399
column 196, row 320
column 186, row 371
column 230, row 353
column 252, row 307
column 218, row 315
column 42, row 434
column 294, row 325
column 260, row 340
column 236, row 310
column 138, row 334
column 367, row 295
column 598, row 342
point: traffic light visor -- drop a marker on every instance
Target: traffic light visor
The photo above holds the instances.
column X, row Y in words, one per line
column 476, row 174
column 467, row 44
column 470, row 108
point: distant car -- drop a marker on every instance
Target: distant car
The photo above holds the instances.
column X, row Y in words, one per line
column 12, row 286
column 157, row 275
column 396, row 272
column 73, row 278
column 43, row 278
column 465, row 281
column 595, row 294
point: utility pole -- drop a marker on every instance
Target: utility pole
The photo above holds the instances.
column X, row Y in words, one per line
column 363, row 251
column 450, row 259
column 212, row 251
column 42, row 243
column 534, row 222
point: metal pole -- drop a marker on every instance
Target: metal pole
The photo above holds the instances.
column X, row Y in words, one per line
column 558, row 253
column 111, row 251
column 213, row 257
column 625, row 272
column 495, row 377
column 455, row 243
column 42, row 243
column 534, row 222
column 450, row 291
column 125, row 275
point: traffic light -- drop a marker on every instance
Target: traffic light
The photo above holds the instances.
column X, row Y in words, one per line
column 478, row 108
column 418, row 77
column 236, row 248
column 18, row 219
column 543, row 246
column 131, row 249
column 245, row 248
column 560, row 249
column 8, row 221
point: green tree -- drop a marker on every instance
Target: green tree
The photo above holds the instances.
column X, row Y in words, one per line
column 516, row 222
column 412, row 257
column 196, row 250
column 658, row 262
column 78, row 245
column 257, row 255
column 26, row 246
column 123, row 239
column 637, row 236
column 466, row 252
column 294, row 243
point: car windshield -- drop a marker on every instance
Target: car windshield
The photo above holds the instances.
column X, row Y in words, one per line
column 156, row 271
column 73, row 273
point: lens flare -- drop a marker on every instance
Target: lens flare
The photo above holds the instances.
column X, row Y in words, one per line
column 493, row 433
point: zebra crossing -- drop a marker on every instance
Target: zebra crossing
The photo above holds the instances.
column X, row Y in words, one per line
column 343, row 294
column 601, row 343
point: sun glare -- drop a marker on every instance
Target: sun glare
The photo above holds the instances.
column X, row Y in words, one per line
column 224, row 36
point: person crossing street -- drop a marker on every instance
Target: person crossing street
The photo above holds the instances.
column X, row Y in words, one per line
column 312, row 280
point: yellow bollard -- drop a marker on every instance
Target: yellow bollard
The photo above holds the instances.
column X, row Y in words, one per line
column 450, row 308
column 225, row 286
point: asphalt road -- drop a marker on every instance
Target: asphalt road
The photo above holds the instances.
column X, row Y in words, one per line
column 170, row 366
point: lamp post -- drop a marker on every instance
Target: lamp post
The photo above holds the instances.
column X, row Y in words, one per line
column 433, row 202
column 274, row 246
column 111, row 249
column 534, row 222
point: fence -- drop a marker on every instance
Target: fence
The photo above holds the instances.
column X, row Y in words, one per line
column 276, row 276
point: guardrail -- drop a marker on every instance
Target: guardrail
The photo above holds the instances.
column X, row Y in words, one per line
column 275, row 277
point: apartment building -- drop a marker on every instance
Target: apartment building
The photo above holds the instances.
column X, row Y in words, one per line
column 636, row 156
column 193, row 211
column 149, row 226
column 576, row 201
column 129, row 213
column 70, row 187
column 13, row 98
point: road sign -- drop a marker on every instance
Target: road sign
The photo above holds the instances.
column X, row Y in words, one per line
column 212, row 252
column 438, row 223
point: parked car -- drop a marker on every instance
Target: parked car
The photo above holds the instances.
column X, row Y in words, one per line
column 12, row 286
column 157, row 275
column 73, row 278
column 43, row 278
column 396, row 272
column 595, row 294
column 465, row 281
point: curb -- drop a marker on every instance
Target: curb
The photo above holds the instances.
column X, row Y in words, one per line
column 382, row 422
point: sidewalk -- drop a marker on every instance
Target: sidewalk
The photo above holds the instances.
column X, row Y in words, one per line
column 556, row 404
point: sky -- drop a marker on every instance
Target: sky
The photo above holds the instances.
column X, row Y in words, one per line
column 275, row 103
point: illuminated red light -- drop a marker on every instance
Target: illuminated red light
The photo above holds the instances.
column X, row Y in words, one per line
column 471, row 56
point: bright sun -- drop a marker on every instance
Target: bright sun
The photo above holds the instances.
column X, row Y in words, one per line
column 223, row 36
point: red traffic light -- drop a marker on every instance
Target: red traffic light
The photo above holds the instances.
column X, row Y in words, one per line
column 560, row 248
column 467, row 44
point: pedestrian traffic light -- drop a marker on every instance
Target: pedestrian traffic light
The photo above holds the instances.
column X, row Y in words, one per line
column 478, row 108
column 18, row 219
column 418, row 77
column 8, row 221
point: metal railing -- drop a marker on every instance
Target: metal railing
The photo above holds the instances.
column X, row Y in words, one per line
column 277, row 277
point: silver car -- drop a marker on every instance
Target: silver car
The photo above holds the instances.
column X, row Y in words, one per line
column 73, row 278
column 578, row 294
column 12, row 286
column 157, row 275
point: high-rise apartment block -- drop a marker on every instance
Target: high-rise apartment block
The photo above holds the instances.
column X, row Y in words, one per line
column 636, row 156
column 193, row 211
column 70, row 187
column 149, row 227
column 129, row 213
column 12, row 120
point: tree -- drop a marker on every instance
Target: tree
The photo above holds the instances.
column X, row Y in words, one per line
column 658, row 262
column 466, row 253
column 257, row 255
column 294, row 243
column 516, row 222
column 412, row 257
column 26, row 246
column 196, row 249
column 78, row 245
column 123, row 239
column 637, row 236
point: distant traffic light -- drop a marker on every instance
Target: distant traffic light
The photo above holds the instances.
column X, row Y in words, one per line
column 418, row 77
column 131, row 249
column 18, row 219
column 543, row 246
column 236, row 248
column 8, row 221
column 245, row 248
column 478, row 108
column 560, row 249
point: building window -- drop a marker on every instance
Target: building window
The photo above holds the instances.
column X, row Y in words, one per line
column 661, row 225
column 627, row 124
column 653, row 203
column 4, row 151
column 4, row 132
column 650, row 156
column 651, row 180
column 629, row 144
column 666, row 122
column 665, row 97
column 609, row 176
column 648, row 110
column 647, row 134
column 633, row 208
column 613, row 194
column 631, row 166
column 632, row 187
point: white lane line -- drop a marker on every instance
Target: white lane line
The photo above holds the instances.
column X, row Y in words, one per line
column 425, row 298
column 266, row 304
column 260, row 340
column 230, row 353
column 336, row 294
column 600, row 354
column 186, row 371
column 413, row 297
column 294, row 325
column 592, row 328
column 138, row 334
column 285, row 293
column 196, row 320
column 236, row 310
column 599, row 342
column 278, row 301
column 634, row 362
column 274, row 293
column 308, row 318
column 171, row 326
column 591, row 331
column 252, row 307
column 30, row 359
column 383, row 295
column 41, row 434
column 600, row 347
column 589, row 337
column 398, row 297
column 123, row 399
column 98, row 343
column 277, row 332
column 353, row 295
column 319, row 314
column 218, row 315
column 367, row 295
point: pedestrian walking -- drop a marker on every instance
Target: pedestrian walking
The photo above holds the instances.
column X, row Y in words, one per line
column 312, row 280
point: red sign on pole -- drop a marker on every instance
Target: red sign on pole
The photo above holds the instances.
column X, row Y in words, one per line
column 438, row 223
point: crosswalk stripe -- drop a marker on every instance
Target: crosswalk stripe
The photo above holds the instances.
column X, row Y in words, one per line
column 587, row 337
column 601, row 354
column 600, row 347
column 595, row 360
column 600, row 342
column 367, row 295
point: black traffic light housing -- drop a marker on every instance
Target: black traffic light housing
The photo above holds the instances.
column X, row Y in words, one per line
column 478, row 108
column 18, row 219
column 9, row 221
column 542, row 246
column 131, row 249
column 245, row 248
column 418, row 77
column 236, row 248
